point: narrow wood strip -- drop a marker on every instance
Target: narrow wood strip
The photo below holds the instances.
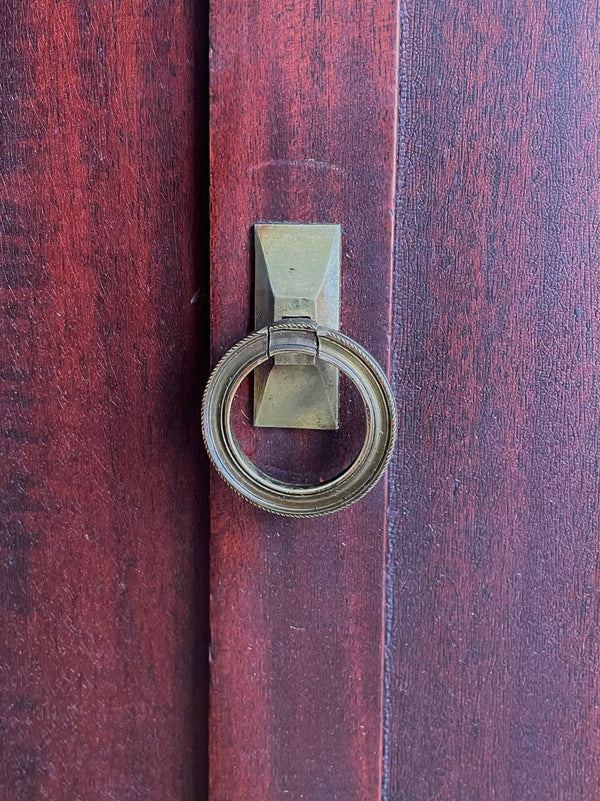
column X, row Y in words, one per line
column 302, row 125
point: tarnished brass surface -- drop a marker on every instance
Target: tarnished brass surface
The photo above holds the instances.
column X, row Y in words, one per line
column 297, row 274
column 305, row 337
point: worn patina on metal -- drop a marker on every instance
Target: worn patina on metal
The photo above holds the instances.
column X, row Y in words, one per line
column 299, row 337
column 297, row 274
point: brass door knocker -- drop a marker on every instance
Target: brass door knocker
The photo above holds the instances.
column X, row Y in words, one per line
column 299, row 336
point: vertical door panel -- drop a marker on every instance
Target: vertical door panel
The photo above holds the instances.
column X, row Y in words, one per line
column 492, row 643
column 102, row 501
column 303, row 98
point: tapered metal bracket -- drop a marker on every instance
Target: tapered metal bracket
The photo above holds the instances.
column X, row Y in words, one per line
column 297, row 274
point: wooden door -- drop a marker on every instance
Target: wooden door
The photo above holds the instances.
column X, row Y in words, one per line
column 437, row 641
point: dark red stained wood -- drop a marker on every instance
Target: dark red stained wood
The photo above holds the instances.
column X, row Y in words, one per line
column 493, row 681
column 302, row 129
column 102, row 492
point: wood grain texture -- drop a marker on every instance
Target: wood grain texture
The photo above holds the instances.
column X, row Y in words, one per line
column 303, row 99
column 103, row 511
column 492, row 686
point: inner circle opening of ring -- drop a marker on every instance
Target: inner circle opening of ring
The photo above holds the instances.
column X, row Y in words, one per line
column 301, row 456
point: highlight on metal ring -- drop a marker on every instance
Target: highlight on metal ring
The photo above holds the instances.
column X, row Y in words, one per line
column 278, row 497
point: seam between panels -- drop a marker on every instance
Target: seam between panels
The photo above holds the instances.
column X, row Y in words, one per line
column 398, row 182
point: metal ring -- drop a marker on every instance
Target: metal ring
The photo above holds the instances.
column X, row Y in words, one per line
column 255, row 485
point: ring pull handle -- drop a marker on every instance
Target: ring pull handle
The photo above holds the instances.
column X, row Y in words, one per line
column 299, row 336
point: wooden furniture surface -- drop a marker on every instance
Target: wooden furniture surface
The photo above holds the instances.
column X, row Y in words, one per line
column 439, row 640
column 492, row 678
column 103, row 490
column 491, row 651
column 303, row 98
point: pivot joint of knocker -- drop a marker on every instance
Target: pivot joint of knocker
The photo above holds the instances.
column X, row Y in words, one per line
column 300, row 332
